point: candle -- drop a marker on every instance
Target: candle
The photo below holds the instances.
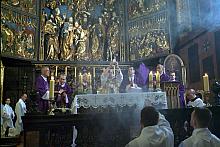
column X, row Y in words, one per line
column 158, row 76
column 75, row 72
column 157, row 79
column 80, row 78
column 150, row 77
column 113, row 70
column 51, row 92
column 89, row 78
column 66, row 70
column 56, row 71
column 94, row 72
column 206, row 82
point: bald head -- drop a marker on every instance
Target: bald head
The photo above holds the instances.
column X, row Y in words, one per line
column 45, row 71
column 190, row 94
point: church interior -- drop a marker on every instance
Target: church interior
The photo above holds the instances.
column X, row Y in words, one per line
column 79, row 72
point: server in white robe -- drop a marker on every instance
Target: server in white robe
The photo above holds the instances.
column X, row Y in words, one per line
column 8, row 115
column 201, row 136
column 156, row 130
column 194, row 100
column 20, row 110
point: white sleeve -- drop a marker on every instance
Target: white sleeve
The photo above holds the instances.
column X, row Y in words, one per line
column 198, row 103
column 5, row 113
column 46, row 96
column 18, row 112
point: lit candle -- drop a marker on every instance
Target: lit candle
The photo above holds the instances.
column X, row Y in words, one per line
column 206, row 82
column 66, row 70
column 51, row 92
column 89, row 78
column 56, row 71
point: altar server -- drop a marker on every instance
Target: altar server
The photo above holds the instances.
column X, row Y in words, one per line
column 201, row 136
column 20, row 110
column 163, row 76
column 42, row 88
column 8, row 115
column 64, row 92
column 194, row 100
column 156, row 130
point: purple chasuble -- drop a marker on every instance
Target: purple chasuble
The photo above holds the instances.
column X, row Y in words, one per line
column 141, row 75
column 42, row 87
column 68, row 90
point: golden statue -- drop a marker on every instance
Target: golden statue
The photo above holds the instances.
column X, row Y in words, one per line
column 81, row 51
column 114, row 41
column 51, row 39
column 98, row 38
column 7, row 38
column 66, row 39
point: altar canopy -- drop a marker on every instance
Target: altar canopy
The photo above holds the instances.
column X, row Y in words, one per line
column 156, row 99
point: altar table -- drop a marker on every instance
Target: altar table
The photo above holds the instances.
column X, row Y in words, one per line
column 156, row 99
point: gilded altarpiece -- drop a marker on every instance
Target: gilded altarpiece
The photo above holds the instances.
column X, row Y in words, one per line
column 148, row 28
column 19, row 27
column 86, row 30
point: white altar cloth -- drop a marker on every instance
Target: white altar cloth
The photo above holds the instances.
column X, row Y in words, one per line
column 156, row 99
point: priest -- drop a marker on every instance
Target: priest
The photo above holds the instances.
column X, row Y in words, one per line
column 63, row 92
column 42, row 88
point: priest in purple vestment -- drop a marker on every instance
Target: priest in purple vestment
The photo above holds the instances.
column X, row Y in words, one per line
column 63, row 92
column 42, row 88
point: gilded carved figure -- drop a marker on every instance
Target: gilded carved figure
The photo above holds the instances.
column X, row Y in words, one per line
column 51, row 39
column 98, row 37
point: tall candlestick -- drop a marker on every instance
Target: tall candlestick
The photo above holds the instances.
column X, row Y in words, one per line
column 150, row 79
column 66, row 70
column 80, row 78
column 157, row 79
column 113, row 70
column 89, row 78
column 151, row 76
column 158, row 76
column 93, row 72
column 75, row 72
column 51, row 92
column 206, row 82
column 56, row 71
